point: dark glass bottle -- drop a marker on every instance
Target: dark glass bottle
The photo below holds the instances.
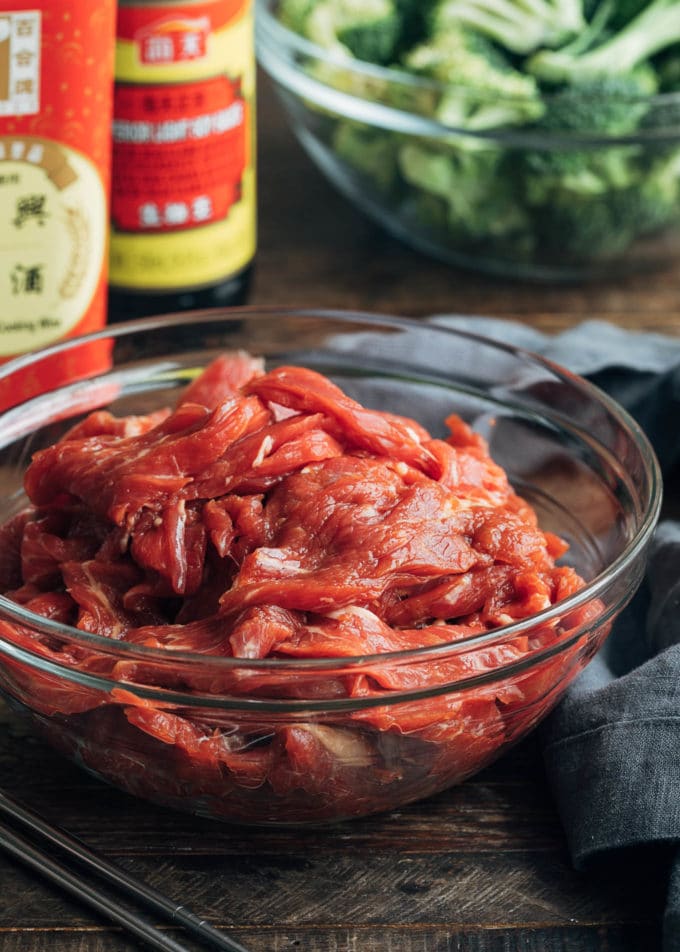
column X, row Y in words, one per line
column 126, row 305
column 183, row 232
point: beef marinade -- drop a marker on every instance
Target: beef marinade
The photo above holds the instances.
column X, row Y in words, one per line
column 270, row 516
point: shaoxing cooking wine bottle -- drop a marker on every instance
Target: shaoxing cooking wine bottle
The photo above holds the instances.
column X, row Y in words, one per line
column 56, row 72
column 183, row 230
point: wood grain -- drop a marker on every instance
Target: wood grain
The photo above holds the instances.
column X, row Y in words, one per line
column 367, row 888
column 481, row 866
column 353, row 939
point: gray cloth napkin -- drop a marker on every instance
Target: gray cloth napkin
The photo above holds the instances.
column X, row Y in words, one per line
column 612, row 746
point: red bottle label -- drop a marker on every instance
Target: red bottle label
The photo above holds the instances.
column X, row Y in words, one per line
column 56, row 67
column 179, row 154
column 183, row 191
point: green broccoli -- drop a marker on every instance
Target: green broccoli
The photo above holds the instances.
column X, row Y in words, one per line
column 668, row 68
column 475, row 200
column 586, row 173
column 294, row 14
column 373, row 40
column 426, row 210
column 372, row 152
column 575, row 75
column 579, row 229
column 368, row 29
column 604, row 225
column 599, row 213
column 484, row 91
column 521, row 26
column 623, row 11
column 655, row 28
column 606, row 106
column 602, row 105
column 429, row 215
column 414, row 20
column 658, row 194
column 580, row 175
column 591, row 7
column 663, row 116
column 663, row 121
column 590, row 199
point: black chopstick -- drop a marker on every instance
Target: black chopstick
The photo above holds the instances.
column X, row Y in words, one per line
column 22, row 849
column 25, row 851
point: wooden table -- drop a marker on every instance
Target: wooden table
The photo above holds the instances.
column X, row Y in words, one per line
column 478, row 868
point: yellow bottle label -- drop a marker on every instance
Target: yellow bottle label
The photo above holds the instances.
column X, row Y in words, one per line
column 53, row 243
column 184, row 192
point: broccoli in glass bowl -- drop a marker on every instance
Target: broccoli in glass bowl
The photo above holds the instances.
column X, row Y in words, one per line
column 534, row 138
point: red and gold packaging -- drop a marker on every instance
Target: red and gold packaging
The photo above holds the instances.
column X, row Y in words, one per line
column 56, row 71
column 183, row 193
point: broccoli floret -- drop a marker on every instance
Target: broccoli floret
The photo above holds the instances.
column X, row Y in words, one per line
column 623, row 11
column 663, row 119
column 467, row 190
column 372, row 152
column 605, row 105
column 427, row 210
column 582, row 184
column 585, row 171
column 585, row 230
column 430, row 214
column 368, row 29
column 373, row 41
column 433, row 170
column 596, row 199
column 581, row 176
column 414, row 20
column 521, row 26
column 597, row 216
column 669, row 71
column 605, row 225
column 294, row 14
column 484, row 91
column 658, row 197
column 610, row 105
column 655, row 28
column 663, row 116
column 590, row 8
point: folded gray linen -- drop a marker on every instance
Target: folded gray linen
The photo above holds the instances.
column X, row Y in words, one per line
column 612, row 746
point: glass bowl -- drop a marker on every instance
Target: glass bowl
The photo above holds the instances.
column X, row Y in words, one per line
column 280, row 740
column 490, row 200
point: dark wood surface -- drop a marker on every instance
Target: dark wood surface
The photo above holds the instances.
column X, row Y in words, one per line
column 480, row 868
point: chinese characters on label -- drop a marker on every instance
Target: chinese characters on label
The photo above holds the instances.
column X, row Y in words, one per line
column 30, row 208
column 20, row 63
column 173, row 41
column 200, row 128
column 27, row 279
column 153, row 215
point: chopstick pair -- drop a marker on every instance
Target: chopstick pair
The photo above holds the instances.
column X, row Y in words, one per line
column 38, row 859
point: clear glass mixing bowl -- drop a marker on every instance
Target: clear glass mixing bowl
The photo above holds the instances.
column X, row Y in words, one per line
column 497, row 199
column 284, row 741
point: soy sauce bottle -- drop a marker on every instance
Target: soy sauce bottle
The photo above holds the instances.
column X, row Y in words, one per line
column 183, row 197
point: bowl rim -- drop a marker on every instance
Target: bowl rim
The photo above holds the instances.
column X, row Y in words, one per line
column 276, row 42
column 647, row 518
